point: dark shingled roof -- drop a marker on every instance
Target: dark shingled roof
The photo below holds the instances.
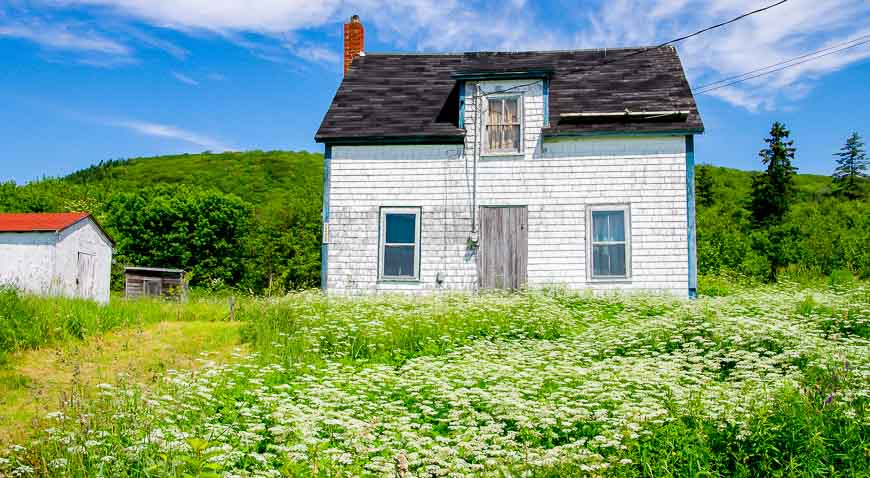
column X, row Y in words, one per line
column 415, row 97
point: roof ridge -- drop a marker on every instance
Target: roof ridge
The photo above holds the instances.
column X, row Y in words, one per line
column 511, row 52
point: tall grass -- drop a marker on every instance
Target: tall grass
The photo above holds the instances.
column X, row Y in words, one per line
column 391, row 329
column 28, row 322
column 763, row 381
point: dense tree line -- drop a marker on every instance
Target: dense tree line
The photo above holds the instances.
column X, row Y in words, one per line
column 816, row 227
column 252, row 220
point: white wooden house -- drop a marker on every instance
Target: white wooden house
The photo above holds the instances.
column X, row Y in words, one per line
column 66, row 254
column 582, row 176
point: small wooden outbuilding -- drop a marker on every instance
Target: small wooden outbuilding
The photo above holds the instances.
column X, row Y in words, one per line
column 154, row 282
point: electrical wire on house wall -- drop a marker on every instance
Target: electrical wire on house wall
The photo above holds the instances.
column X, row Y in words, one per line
column 476, row 121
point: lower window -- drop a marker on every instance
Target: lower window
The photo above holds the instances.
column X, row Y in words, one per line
column 609, row 238
column 399, row 243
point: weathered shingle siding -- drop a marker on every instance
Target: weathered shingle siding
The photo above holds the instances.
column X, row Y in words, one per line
column 556, row 180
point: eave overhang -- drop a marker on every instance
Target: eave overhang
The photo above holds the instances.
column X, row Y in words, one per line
column 542, row 73
column 458, row 138
column 554, row 134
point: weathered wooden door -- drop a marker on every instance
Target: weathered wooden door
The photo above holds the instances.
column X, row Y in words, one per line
column 85, row 275
column 153, row 287
column 504, row 247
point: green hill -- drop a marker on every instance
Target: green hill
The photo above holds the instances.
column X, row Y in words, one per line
column 732, row 185
column 259, row 177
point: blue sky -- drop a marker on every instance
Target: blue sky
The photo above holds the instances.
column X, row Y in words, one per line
column 88, row 80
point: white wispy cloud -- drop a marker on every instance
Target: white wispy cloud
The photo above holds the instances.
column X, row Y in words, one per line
column 185, row 79
column 268, row 16
column 172, row 132
column 63, row 37
column 153, row 41
column 261, row 25
column 264, row 27
column 317, row 53
column 792, row 29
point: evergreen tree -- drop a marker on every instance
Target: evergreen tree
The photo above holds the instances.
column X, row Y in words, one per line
column 704, row 186
column 851, row 164
column 772, row 189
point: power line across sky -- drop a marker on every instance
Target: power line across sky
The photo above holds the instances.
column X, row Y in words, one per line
column 782, row 65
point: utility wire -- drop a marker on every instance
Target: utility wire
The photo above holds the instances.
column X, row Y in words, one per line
column 675, row 40
column 724, row 80
column 685, row 37
column 707, row 90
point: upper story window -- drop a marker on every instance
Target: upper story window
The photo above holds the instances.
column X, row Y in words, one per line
column 610, row 248
column 503, row 125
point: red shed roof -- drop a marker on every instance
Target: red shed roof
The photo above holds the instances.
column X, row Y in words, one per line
column 45, row 222
column 39, row 222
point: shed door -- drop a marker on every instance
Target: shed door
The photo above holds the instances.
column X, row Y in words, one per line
column 153, row 287
column 504, row 247
column 85, row 275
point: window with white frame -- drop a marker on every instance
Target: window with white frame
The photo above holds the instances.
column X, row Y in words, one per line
column 399, row 243
column 609, row 248
column 504, row 124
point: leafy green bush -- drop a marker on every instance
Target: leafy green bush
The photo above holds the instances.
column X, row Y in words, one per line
column 201, row 231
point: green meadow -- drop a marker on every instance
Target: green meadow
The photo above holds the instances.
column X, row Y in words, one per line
column 748, row 380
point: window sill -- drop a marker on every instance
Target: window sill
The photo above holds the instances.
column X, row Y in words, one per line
column 610, row 280
column 514, row 156
column 399, row 281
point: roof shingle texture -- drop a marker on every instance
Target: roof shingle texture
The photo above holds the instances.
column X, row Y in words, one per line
column 39, row 222
column 402, row 96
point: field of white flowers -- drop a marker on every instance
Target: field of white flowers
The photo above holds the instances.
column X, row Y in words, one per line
column 771, row 381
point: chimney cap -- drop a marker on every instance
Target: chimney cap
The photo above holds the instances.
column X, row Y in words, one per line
column 354, row 19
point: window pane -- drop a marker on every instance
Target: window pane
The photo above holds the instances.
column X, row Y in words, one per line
column 398, row 261
column 503, row 138
column 608, row 226
column 510, row 111
column 608, row 260
column 495, row 111
column 401, row 228
column 617, row 226
column 514, row 133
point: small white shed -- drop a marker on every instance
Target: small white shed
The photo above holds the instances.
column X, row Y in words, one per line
column 64, row 254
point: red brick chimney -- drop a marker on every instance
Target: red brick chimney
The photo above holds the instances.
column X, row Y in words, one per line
column 354, row 42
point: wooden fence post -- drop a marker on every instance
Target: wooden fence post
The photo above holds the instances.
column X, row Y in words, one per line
column 232, row 308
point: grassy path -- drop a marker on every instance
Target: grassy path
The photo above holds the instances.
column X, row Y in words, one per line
column 36, row 381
